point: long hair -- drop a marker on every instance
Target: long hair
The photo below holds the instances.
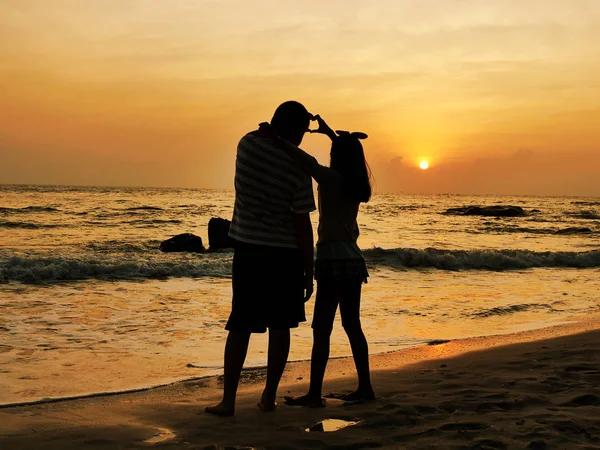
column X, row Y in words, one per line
column 348, row 159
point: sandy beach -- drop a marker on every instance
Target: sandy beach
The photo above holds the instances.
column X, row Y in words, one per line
column 532, row 390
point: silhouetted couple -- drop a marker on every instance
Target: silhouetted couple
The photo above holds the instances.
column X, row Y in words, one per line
column 273, row 264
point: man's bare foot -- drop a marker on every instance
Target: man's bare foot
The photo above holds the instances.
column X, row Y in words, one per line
column 305, row 400
column 359, row 396
column 220, row 410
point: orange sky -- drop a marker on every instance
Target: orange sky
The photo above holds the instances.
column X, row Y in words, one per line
column 500, row 96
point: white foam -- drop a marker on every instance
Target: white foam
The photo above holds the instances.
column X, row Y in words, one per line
column 479, row 259
column 36, row 269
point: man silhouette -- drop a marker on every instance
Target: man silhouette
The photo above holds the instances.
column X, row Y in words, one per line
column 273, row 260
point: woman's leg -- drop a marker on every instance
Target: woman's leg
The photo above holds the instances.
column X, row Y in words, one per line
column 350, row 311
column 325, row 309
column 318, row 360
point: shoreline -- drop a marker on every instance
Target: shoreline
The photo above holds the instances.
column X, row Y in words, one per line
column 299, row 369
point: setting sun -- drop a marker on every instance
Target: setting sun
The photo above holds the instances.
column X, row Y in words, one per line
column 424, row 165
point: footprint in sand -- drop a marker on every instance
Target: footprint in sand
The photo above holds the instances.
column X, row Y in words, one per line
column 463, row 427
column 330, row 425
column 583, row 400
column 237, row 447
column 164, row 434
column 229, row 447
column 489, row 444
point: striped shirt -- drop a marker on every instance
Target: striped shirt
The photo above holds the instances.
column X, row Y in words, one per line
column 269, row 189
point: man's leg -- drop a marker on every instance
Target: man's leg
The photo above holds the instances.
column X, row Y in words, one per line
column 235, row 355
column 279, row 349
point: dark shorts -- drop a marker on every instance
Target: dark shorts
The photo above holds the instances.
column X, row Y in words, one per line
column 333, row 292
column 267, row 289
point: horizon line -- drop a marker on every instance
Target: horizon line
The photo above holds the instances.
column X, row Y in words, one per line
column 460, row 194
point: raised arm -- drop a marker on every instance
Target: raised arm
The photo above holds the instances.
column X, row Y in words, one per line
column 323, row 128
column 306, row 162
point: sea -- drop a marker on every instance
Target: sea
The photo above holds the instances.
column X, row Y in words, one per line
column 88, row 303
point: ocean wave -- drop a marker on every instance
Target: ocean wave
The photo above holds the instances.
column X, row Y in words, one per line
column 154, row 222
column 504, row 310
column 529, row 230
column 588, row 215
column 124, row 247
column 33, row 270
column 127, row 262
column 392, row 209
column 29, row 209
column 586, row 203
column 514, row 229
column 144, row 208
column 27, row 225
column 479, row 259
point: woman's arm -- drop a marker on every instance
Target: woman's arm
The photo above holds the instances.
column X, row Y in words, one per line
column 324, row 128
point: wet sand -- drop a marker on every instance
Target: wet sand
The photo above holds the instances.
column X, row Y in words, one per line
column 533, row 390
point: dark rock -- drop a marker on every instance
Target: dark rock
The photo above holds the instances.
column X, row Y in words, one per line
column 488, row 211
column 218, row 234
column 574, row 230
column 185, row 242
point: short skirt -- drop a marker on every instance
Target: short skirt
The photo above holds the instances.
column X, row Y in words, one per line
column 340, row 260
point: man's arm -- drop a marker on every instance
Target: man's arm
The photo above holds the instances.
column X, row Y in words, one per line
column 306, row 244
column 305, row 161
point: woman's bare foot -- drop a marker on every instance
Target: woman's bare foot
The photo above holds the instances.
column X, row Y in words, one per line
column 267, row 405
column 305, row 400
column 359, row 396
column 220, row 410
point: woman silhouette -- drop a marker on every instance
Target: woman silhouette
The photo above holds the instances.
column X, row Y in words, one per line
column 340, row 267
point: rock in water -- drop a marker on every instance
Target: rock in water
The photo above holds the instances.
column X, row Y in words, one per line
column 186, row 242
column 218, row 234
column 489, row 211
